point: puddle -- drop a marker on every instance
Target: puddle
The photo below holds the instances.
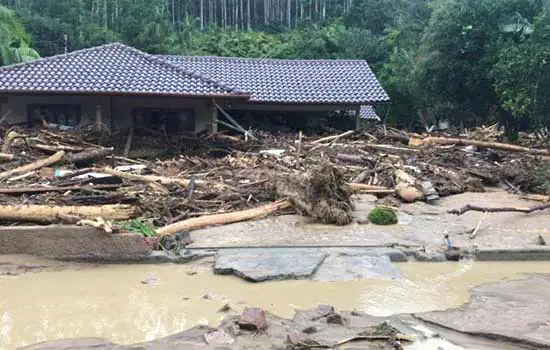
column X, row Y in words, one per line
column 130, row 304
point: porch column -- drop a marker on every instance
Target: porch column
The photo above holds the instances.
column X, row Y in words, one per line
column 214, row 120
column 99, row 117
column 357, row 120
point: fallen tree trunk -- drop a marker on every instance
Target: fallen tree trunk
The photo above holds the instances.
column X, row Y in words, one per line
column 52, row 214
column 223, row 219
column 390, row 148
column 484, row 144
column 33, row 166
column 89, row 155
column 351, row 158
column 53, row 149
column 469, row 207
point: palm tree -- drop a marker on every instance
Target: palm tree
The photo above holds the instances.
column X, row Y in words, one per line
column 14, row 41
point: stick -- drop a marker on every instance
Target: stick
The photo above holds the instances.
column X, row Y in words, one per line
column 57, row 148
column 356, row 187
column 49, row 214
column 223, row 219
column 33, row 166
column 483, row 144
column 128, row 142
column 474, row 233
column 498, row 210
column 20, row 177
column 334, row 137
column 30, row 190
column 390, row 148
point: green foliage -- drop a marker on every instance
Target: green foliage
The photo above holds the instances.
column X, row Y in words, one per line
column 383, row 216
column 14, row 41
column 140, row 227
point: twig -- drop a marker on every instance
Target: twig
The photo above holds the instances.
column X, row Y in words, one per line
column 474, row 233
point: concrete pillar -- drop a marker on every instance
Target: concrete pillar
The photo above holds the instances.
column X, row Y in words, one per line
column 357, row 120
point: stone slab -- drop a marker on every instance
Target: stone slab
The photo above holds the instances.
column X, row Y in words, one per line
column 257, row 265
column 517, row 310
column 521, row 254
column 355, row 266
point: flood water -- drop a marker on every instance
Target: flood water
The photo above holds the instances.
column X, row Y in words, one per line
column 112, row 301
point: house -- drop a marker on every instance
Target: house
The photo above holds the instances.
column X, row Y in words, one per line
column 122, row 87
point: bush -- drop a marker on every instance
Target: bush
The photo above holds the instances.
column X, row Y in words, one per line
column 383, row 216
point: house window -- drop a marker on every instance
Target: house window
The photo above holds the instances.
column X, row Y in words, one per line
column 172, row 120
column 59, row 114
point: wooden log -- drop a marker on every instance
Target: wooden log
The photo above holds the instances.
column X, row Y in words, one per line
column 483, row 144
column 334, row 138
column 163, row 180
column 350, row 158
column 128, row 145
column 53, row 149
column 10, row 137
column 368, row 189
column 89, row 155
column 34, row 165
column 390, row 148
column 469, row 207
column 49, row 214
column 5, row 157
column 30, row 190
column 224, row 219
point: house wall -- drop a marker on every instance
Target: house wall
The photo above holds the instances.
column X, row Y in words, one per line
column 116, row 110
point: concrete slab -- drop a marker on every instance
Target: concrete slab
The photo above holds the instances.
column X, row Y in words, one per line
column 343, row 267
column 257, row 265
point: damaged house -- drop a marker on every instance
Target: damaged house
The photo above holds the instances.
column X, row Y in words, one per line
column 122, row 87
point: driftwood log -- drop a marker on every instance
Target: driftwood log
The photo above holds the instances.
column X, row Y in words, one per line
column 469, row 207
column 87, row 156
column 483, row 144
column 52, row 214
column 34, row 165
column 225, row 218
column 29, row 190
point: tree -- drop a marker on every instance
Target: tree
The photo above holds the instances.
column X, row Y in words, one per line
column 14, row 41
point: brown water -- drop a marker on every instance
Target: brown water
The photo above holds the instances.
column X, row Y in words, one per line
column 112, row 302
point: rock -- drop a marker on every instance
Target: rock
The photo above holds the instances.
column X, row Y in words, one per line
column 420, row 255
column 296, row 338
column 257, row 265
column 150, row 280
column 358, row 264
column 410, row 194
column 253, row 319
column 218, row 337
column 334, row 318
column 225, row 308
column 191, row 273
column 207, row 297
column 183, row 237
column 310, row 330
column 541, row 240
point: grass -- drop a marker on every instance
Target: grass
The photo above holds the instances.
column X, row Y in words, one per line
column 140, row 227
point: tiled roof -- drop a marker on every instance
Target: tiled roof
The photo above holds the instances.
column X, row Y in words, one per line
column 291, row 81
column 368, row 112
column 113, row 68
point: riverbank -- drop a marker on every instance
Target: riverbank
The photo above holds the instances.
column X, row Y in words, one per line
column 158, row 301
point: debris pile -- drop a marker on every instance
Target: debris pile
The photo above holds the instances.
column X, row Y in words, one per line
column 49, row 175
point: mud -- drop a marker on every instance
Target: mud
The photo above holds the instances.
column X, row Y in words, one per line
column 133, row 304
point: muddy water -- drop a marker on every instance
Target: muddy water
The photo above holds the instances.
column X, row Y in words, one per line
column 114, row 303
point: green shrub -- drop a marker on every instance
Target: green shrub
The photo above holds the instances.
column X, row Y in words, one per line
column 382, row 216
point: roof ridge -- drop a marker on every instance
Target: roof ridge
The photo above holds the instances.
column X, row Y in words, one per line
column 274, row 60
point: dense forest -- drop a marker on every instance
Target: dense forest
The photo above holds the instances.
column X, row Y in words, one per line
column 470, row 61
